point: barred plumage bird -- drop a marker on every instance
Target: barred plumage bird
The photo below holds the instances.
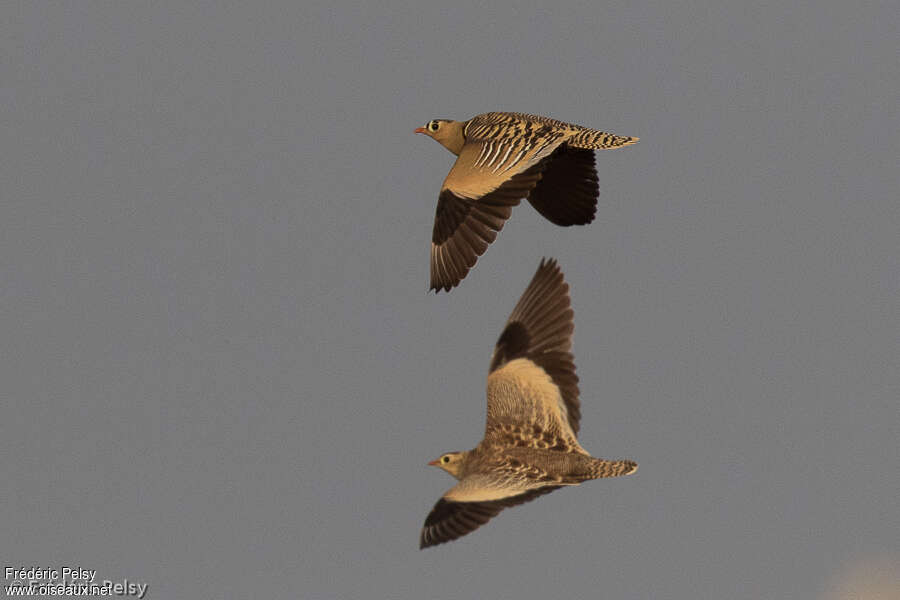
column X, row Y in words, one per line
column 530, row 446
column 502, row 158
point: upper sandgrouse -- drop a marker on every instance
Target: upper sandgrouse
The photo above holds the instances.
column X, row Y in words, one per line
column 502, row 158
column 529, row 446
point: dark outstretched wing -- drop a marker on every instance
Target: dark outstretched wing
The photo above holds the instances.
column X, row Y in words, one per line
column 539, row 330
column 464, row 227
column 450, row 520
column 567, row 193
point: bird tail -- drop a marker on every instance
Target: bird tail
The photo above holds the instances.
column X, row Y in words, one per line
column 600, row 468
column 592, row 139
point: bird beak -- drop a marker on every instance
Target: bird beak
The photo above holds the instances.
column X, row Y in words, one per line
column 419, row 130
column 433, row 463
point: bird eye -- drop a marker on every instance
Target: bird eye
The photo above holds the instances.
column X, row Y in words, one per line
column 433, row 126
column 445, row 459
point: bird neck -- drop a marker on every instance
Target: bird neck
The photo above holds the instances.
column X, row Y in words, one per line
column 454, row 140
column 469, row 458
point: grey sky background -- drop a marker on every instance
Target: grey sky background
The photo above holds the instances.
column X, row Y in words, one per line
column 221, row 372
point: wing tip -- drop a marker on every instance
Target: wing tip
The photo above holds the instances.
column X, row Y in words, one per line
column 426, row 540
column 549, row 263
column 443, row 285
column 551, row 279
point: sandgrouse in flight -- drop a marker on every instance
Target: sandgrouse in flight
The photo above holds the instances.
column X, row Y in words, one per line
column 530, row 446
column 502, row 158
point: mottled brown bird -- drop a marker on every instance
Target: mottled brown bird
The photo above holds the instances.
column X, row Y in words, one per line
column 502, row 158
column 530, row 446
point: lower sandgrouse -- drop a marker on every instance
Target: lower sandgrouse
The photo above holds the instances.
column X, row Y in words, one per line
column 530, row 446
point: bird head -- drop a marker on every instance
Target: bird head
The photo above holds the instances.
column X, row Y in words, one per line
column 447, row 132
column 451, row 462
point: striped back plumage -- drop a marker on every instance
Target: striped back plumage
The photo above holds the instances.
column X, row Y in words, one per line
column 536, row 129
